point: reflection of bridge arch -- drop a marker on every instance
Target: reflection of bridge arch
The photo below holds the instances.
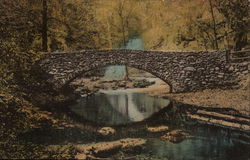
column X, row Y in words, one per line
column 183, row 71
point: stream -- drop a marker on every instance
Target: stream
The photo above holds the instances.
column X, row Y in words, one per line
column 129, row 108
column 130, row 113
column 117, row 107
column 112, row 108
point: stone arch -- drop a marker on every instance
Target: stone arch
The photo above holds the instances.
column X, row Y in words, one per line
column 184, row 71
column 124, row 64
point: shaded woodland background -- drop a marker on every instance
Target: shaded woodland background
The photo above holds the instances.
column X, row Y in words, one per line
column 31, row 28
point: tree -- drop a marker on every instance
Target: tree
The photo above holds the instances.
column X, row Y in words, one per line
column 214, row 25
column 19, row 26
column 45, row 26
column 123, row 19
column 236, row 13
column 72, row 25
column 124, row 24
column 124, row 15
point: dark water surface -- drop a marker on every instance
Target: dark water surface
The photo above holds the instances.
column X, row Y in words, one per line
column 208, row 142
column 116, row 107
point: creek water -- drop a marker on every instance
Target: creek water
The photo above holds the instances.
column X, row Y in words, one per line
column 118, row 107
column 208, row 144
column 131, row 112
column 111, row 108
column 136, row 111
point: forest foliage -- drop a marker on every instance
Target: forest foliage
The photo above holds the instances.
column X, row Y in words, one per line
column 31, row 28
column 104, row 24
column 95, row 24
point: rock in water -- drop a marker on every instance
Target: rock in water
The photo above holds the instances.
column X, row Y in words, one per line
column 81, row 156
column 158, row 129
column 105, row 149
column 105, row 131
column 176, row 136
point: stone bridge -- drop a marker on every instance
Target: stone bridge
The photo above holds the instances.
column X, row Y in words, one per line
column 183, row 71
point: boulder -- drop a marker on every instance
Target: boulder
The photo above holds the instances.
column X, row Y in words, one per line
column 81, row 156
column 158, row 129
column 142, row 83
column 176, row 136
column 105, row 131
column 105, row 149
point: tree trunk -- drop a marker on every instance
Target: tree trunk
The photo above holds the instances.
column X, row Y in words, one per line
column 123, row 34
column 45, row 26
column 110, row 36
column 240, row 40
column 123, row 28
column 214, row 26
column 126, row 77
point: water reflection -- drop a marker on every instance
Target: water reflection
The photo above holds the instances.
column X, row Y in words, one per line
column 208, row 142
column 117, row 107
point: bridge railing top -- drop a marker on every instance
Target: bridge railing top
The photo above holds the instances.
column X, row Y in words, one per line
column 238, row 56
column 129, row 50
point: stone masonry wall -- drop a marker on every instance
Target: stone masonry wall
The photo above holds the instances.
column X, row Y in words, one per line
column 183, row 71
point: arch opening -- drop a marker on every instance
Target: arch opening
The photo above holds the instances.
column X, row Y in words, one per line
column 133, row 71
column 117, row 73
